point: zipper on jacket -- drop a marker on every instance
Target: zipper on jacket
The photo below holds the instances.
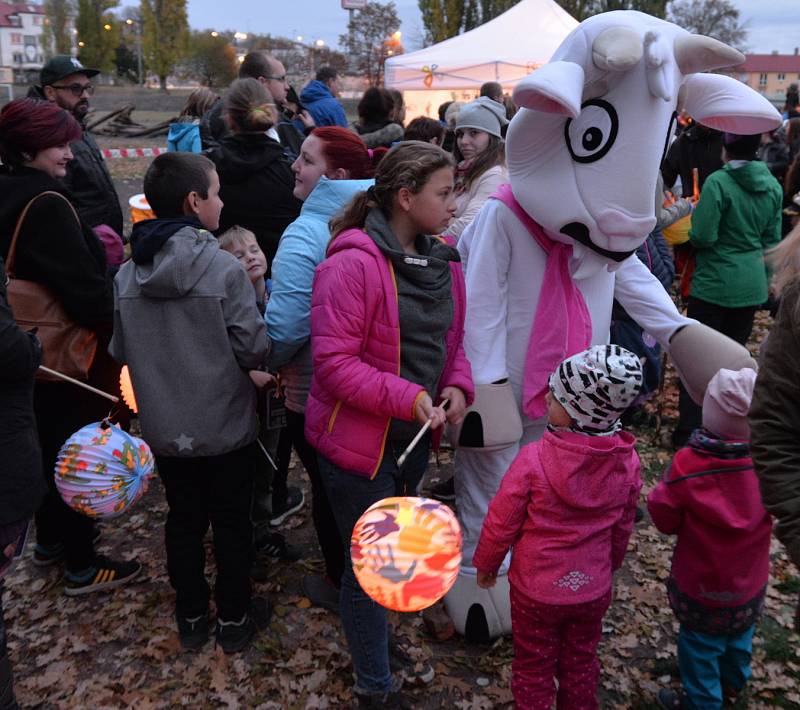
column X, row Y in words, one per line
column 332, row 417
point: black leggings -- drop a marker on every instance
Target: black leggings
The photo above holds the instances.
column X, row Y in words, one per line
column 293, row 436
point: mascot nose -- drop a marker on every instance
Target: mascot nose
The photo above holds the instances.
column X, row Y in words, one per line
column 614, row 223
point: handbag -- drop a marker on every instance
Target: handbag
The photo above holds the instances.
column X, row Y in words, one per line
column 67, row 347
column 492, row 422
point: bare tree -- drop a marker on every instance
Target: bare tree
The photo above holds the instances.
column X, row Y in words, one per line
column 714, row 18
column 366, row 38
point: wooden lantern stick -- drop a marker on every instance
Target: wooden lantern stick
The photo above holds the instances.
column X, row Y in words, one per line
column 67, row 378
column 416, row 439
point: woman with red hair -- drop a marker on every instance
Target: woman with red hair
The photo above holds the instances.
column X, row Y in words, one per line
column 334, row 164
column 56, row 249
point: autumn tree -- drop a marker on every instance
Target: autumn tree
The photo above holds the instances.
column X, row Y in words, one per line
column 165, row 36
column 211, row 60
column 98, row 33
column 365, row 41
column 57, row 32
column 581, row 9
column 714, row 18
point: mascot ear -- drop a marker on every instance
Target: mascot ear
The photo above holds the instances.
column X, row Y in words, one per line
column 722, row 102
column 556, row 88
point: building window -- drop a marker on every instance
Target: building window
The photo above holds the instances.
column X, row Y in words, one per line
column 781, row 77
column 16, row 38
column 762, row 79
column 31, row 40
column 17, row 57
column 37, row 19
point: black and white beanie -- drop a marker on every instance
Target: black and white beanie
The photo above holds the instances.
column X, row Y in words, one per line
column 596, row 386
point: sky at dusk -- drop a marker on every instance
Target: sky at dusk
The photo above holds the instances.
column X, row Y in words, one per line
column 772, row 24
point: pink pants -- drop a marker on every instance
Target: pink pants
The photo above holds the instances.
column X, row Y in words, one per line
column 556, row 641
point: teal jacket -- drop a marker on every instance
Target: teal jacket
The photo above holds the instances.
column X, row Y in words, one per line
column 737, row 218
column 301, row 249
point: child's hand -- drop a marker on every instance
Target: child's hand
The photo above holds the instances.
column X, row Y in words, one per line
column 426, row 411
column 457, row 406
column 262, row 379
column 487, row 580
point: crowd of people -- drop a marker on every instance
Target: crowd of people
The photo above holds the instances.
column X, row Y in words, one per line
column 292, row 253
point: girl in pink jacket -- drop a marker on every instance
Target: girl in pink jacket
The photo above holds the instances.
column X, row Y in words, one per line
column 387, row 321
column 567, row 507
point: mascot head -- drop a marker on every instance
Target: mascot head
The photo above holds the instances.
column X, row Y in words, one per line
column 584, row 151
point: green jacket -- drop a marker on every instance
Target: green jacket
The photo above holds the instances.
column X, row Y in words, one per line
column 737, row 218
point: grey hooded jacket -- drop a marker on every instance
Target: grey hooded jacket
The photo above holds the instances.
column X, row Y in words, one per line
column 188, row 327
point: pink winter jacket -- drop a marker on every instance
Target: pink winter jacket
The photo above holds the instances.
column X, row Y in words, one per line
column 567, row 507
column 714, row 506
column 355, row 343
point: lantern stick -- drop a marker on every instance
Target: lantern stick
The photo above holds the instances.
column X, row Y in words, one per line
column 266, row 453
column 416, row 439
column 79, row 383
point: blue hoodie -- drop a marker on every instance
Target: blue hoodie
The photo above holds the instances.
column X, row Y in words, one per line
column 184, row 137
column 322, row 105
column 301, row 249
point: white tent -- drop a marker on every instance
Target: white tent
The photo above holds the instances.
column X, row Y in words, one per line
column 505, row 50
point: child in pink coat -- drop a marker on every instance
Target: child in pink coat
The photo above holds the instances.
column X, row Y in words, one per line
column 567, row 507
column 709, row 498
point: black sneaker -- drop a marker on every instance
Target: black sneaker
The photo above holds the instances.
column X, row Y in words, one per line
column 669, row 699
column 105, row 574
column 282, row 509
column 406, row 668
column 275, row 545
column 47, row 555
column 235, row 636
column 193, row 631
column 445, row 490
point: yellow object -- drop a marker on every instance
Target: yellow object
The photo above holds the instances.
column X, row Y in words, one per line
column 140, row 210
column 406, row 552
column 678, row 231
column 126, row 387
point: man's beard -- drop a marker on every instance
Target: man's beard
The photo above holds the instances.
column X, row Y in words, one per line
column 80, row 110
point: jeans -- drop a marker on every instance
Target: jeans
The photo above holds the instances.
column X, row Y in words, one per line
column 709, row 663
column 365, row 622
column 736, row 323
column 215, row 490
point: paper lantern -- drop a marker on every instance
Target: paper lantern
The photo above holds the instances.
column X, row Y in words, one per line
column 102, row 470
column 406, row 552
column 126, row 388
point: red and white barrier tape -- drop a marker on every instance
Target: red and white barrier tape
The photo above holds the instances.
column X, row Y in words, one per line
column 132, row 152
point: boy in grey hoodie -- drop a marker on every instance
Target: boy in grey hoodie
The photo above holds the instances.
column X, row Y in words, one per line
column 187, row 325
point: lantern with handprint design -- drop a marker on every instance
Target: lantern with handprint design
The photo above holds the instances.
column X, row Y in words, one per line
column 102, row 470
column 406, row 552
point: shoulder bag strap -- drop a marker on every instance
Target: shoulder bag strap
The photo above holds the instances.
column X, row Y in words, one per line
column 12, row 249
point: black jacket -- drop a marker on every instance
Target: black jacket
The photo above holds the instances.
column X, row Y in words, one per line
column 698, row 147
column 88, row 181
column 256, row 184
column 21, row 483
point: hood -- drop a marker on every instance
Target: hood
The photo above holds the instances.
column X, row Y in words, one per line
column 238, row 157
column 180, row 130
column 150, row 235
column 178, row 265
column 753, row 176
column 314, row 91
column 585, row 471
column 18, row 187
column 329, row 196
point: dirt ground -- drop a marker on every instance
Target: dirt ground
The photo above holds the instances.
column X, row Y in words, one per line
column 121, row 650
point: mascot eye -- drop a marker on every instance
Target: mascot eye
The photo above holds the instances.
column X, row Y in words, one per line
column 590, row 136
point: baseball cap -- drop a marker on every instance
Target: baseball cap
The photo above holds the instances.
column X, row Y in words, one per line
column 63, row 65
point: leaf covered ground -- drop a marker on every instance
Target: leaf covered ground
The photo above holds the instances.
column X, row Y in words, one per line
column 121, row 649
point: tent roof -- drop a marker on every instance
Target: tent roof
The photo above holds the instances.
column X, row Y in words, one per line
column 505, row 49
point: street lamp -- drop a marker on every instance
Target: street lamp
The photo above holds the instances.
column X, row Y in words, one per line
column 215, row 34
column 139, row 69
column 107, row 27
column 320, row 43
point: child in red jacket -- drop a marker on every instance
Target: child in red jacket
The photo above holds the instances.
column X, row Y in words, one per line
column 709, row 498
column 567, row 506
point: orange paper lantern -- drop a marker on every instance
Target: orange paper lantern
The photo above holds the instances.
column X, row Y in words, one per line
column 406, row 552
column 126, row 388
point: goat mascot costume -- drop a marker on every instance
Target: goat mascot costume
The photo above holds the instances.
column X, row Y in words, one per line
column 546, row 257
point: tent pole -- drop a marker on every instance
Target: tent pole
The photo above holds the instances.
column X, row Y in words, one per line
column 496, row 72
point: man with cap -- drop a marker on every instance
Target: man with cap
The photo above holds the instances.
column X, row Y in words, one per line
column 66, row 82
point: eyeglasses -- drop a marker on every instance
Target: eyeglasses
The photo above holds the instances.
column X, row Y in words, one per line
column 76, row 89
column 279, row 79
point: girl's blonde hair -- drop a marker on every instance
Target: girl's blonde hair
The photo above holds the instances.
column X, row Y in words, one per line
column 249, row 107
column 409, row 164
column 785, row 260
column 235, row 236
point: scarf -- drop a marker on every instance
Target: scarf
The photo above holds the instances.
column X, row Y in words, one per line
column 562, row 325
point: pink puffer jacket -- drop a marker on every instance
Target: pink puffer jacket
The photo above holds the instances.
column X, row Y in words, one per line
column 355, row 342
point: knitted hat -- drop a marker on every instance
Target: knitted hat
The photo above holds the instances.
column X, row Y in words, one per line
column 485, row 114
column 727, row 402
column 596, row 386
